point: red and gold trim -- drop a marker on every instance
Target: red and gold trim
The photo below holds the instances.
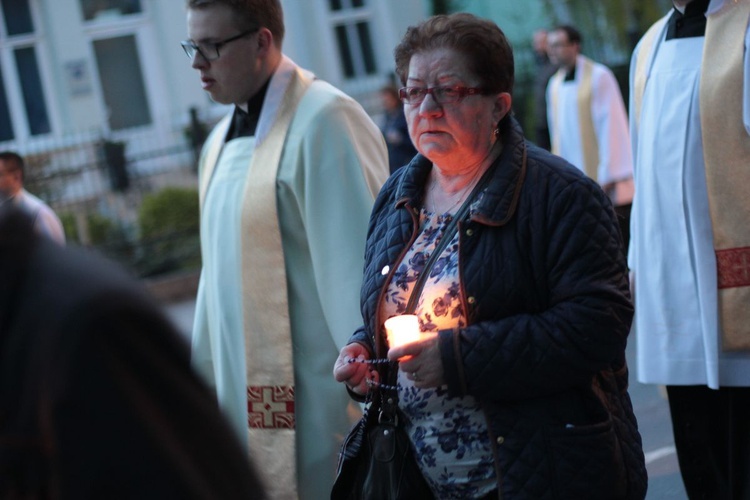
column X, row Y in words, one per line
column 733, row 267
column 270, row 407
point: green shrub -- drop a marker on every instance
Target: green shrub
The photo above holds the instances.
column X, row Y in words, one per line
column 168, row 223
column 110, row 238
column 103, row 231
column 69, row 227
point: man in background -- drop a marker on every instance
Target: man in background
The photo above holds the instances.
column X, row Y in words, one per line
column 287, row 182
column 690, row 122
column 586, row 114
column 12, row 191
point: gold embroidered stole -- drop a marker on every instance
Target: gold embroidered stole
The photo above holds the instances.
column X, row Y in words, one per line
column 215, row 143
column 267, row 329
column 726, row 148
column 587, row 131
column 554, row 98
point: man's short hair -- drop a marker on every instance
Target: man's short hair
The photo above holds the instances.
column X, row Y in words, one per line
column 13, row 161
column 251, row 14
column 574, row 36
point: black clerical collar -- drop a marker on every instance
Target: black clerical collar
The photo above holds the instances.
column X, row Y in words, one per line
column 245, row 123
column 690, row 24
column 570, row 74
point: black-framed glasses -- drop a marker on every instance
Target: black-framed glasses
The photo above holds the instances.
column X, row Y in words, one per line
column 210, row 51
column 442, row 95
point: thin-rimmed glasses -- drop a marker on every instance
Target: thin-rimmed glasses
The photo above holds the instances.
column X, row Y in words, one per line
column 442, row 95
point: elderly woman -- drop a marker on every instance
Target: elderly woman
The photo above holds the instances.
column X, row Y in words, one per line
column 518, row 386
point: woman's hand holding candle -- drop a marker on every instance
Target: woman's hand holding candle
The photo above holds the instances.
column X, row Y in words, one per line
column 420, row 360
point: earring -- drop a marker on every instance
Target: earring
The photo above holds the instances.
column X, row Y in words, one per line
column 496, row 132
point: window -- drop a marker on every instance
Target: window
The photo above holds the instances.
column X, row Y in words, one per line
column 6, row 127
column 338, row 4
column 125, row 97
column 23, row 104
column 101, row 9
column 352, row 29
column 31, row 88
column 17, row 17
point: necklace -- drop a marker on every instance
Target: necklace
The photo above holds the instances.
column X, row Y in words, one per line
column 449, row 209
column 458, row 195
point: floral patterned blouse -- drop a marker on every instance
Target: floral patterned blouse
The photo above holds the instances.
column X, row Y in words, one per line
column 449, row 434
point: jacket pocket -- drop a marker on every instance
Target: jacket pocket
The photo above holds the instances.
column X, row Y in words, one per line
column 587, row 462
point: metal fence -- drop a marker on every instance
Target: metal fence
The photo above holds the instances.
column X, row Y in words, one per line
column 98, row 185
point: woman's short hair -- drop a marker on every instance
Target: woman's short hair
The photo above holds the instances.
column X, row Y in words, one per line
column 250, row 14
column 488, row 51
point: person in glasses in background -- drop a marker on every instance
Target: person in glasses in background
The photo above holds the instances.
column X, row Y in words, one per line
column 287, row 182
column 518, row 385
column 587, row 121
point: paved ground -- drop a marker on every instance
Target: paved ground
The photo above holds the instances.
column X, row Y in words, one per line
column 651, row 409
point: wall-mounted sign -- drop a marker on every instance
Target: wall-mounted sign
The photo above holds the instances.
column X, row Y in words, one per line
column 78, row 77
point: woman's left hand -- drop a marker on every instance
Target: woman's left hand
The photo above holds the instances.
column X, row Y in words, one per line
column 420, row 361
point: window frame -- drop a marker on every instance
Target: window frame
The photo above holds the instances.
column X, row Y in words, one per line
column 18, row 115
column 349, row 18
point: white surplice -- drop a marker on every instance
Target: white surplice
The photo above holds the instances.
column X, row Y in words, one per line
column 671, row 248
column 608, row 117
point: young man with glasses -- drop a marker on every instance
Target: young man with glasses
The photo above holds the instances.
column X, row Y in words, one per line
column 287, row 182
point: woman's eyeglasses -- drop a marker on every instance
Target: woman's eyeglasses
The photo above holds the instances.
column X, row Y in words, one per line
column 442, row 95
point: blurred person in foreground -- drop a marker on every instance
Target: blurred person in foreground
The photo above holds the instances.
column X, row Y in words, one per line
column 98, row 396
column 518, row 386
column 287, row 183
column 690, row 248
column 395, row 131
column 12, row 176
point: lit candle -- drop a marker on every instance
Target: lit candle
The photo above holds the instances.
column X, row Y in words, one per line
column 402, row 329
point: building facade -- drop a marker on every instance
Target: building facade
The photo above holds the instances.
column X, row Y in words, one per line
column 78, row 70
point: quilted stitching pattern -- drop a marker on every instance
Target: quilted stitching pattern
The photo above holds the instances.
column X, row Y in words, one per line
column 545, row 288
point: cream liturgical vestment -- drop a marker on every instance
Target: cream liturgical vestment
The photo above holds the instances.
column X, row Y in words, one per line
column 283, row 222
column 672, row 254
